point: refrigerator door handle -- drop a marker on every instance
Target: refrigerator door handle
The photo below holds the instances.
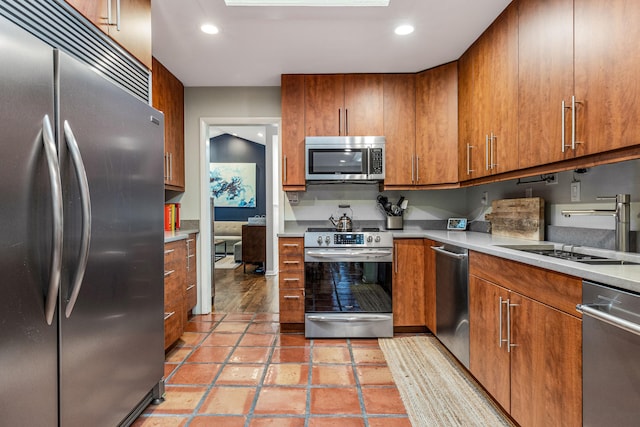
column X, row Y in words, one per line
column 85, row 201
column 58, row 227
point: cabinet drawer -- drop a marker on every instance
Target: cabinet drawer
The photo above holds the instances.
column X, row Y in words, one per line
column 291, row 247
column 291, row 305
column 191, row 298
column 291, row 280
column 557, row 290
column 172, row 328
column 173, row 252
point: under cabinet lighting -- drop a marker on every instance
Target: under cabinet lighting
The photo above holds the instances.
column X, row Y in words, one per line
column 332, row 3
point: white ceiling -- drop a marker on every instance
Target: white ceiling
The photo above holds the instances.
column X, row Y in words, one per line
column 257, row 44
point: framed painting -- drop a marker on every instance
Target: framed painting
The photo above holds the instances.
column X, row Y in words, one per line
column 233, row 185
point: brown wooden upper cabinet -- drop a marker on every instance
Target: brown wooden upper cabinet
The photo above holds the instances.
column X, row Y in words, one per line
column 436, row 148
column 399, row 128
column 128, row 22
column 488, row 113
column 343, row 104
column 292, row 98
column 168, row 97
column 578, row 95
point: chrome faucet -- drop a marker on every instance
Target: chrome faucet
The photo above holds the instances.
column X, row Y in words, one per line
column 622, row 214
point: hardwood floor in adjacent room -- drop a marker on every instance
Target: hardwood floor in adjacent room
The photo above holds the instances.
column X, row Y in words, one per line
column 240, row 292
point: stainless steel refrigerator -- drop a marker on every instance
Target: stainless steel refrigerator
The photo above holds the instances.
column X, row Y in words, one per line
column 81, row 242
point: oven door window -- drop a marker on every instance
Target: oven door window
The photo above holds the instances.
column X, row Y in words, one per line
column 349, row 161
column 357, row 287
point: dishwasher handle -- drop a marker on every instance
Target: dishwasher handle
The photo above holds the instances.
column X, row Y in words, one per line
column 443, row 251
column 612, row 320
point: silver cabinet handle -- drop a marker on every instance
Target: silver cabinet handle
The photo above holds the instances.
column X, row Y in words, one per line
column 492, row 150
column 170, row 166
column 417, row 169
column 168, row 315
column 291, row 297
column 291, row 279
column 412, row 170
column 291, row 262
column 573, row 122
column 57, row 219
column 168, row 251
column 168, row 273
column 110, row 14
column 500, row 339
column 486, row 152
column 290, row 245
column 346, row 121
column 85, row 201
column 564, row 145
column 509, row 343
column 190, row 287
column 339, row 121
column 612, row 320
column 284, row 179
column 469, row 170
column 118, row 15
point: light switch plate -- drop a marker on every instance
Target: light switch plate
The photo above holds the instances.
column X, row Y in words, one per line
column 575, row 191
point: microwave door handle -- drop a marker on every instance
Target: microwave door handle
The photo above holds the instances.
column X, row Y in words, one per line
column 365, row 167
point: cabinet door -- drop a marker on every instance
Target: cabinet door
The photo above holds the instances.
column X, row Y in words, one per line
column 545, row 79
column 606, row 39
column 437, row 125
column 134, row 31
column 292, row 92
column 546, row 365
column 363, row 105
column 488, row 356
column 408, row 282
column 168, row 97
column 399, row 128
column 471, row 143
column 324, row 104
column 501, row 77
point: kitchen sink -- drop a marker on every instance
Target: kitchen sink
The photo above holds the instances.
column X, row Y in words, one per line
column 551, row 251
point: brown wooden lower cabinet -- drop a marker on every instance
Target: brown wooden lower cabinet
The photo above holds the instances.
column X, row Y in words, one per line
column 408, row 286
column 291, row 280
column 430, row 284
column 526, row 354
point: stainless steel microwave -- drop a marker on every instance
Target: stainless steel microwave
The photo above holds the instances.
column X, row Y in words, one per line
column 344, row 158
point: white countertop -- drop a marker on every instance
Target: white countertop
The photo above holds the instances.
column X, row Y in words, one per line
column 621, row 276
column 172, row 236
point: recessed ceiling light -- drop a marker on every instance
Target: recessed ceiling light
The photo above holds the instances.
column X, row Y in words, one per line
column 209, row 29
column 403, row 30
column 333, row 3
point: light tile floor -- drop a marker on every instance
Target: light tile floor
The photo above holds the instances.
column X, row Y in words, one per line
column 237, row 369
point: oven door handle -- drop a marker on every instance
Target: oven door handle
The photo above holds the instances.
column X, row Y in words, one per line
column 589, row 310
column 342, row 255
column 347, row 318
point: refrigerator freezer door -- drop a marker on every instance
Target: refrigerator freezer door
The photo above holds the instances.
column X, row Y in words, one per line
column 28, row 344
column 112, row 339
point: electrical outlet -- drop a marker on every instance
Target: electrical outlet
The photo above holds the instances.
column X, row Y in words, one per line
column 485, row 198
column 575, row 191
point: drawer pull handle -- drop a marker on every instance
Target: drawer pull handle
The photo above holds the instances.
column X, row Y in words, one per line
column 290, row 245
column 292, row 297
column 168, row 251
column 167, row 273
column 292, row 262
column 189, row 240
column 190, row 287
column 168, row 315
column 291, row 279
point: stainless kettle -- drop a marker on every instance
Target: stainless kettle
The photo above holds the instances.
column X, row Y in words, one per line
column 343, row 223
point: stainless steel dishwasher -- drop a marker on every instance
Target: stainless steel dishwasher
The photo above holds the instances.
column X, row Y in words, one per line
column 452, row 300
column 610, row 356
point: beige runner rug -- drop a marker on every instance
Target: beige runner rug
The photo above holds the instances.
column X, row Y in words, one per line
column 434, row 389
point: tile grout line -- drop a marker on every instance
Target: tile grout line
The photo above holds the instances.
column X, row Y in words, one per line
column 260, row 383
column 358, row 385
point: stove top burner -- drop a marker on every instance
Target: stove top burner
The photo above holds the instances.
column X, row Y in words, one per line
column 329, row 229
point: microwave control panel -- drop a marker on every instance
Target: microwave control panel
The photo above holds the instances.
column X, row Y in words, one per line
column 377, row 160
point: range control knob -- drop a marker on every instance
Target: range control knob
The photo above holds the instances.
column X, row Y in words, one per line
column 319, row 240
column 327, row 239
column 369, row 239
column 377, row 238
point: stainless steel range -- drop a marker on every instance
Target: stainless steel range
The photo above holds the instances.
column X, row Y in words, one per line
column 348, row 283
